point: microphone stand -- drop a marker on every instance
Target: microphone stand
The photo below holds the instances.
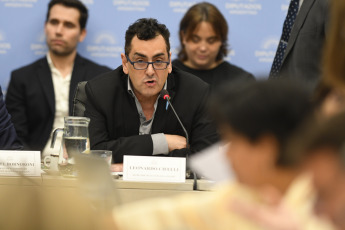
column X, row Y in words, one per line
column 166, row 96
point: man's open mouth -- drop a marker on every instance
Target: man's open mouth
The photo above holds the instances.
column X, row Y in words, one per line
column 150, row 83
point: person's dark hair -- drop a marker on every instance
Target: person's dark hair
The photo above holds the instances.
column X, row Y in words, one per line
column 322, row 134
column 73, row 4
column 334, row 48
column 321, row 92
column 255, row 109
column 204, row 12
column 146, row 29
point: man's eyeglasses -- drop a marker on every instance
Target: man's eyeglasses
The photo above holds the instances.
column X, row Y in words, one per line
column 157, row 65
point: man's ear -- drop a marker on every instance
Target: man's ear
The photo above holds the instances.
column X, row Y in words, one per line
column 45, row 29
column 124, row 63
column 82, row 35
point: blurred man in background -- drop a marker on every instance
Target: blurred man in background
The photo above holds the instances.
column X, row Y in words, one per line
column 40, row 95
column 300, row 48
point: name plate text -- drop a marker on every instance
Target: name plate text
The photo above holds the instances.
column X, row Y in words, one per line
column 154, row 169
column 20, row 163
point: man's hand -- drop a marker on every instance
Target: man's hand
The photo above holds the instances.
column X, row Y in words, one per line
column 116, row 167
column 176, row 142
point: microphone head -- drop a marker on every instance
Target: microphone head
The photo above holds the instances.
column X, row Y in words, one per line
column 164, row 94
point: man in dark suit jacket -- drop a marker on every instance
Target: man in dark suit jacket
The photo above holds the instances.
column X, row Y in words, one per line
column 302, row 57
column 128, row 115
column 8, row 136
column 41, row 93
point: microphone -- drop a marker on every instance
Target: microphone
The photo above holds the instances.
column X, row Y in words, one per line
column 165, row 95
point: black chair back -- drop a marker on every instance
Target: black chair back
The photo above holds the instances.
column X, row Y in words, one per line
column 79, row 100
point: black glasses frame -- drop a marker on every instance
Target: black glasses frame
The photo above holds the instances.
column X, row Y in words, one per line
column 148, row 63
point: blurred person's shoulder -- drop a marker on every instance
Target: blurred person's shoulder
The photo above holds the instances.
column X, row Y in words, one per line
column 22, row 72
column 110, row 82
column 210, row 209
column 95, row 68
column 185, row 80
column 300, row 197
column 234, row 71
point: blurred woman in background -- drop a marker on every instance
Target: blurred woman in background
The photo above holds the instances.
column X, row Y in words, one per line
column 203, row 38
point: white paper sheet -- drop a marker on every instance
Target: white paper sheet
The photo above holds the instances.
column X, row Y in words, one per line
column 213, row 164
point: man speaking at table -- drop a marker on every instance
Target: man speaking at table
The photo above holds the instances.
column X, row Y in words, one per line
column 128, row 114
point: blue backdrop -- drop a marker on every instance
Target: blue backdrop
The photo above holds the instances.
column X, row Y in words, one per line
column 255, row 28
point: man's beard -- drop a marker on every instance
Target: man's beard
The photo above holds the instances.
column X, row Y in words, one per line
column 61, row 53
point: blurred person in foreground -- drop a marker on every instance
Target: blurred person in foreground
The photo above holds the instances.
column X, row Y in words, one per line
column 46, row 207
column 40, row 94
column 258, row 119
column 128, row 114
column 320, row 146
column 323, row 148
column 204, row 45
column 330, row 92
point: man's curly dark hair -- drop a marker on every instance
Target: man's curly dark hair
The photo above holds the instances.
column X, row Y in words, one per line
column 146, row 29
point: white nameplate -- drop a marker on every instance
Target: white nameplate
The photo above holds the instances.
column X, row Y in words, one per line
column 20, row 163
column 154, row 169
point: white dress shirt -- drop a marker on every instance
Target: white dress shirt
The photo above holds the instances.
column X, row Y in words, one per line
column 61, row 92
column 160, row 144
column 300, row 3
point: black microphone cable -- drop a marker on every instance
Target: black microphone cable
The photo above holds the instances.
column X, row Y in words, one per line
column 165, row 95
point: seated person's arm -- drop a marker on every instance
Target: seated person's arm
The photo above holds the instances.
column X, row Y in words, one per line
column 8, row 136
column 15, row 103
column 175, row 142
column 202, row 131
column 163, row 144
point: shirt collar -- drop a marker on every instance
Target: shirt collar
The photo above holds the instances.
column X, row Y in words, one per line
column 50, row 62
column 53, row 68
column 55, row 72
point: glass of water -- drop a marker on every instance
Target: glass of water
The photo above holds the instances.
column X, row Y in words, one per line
column 75, row 140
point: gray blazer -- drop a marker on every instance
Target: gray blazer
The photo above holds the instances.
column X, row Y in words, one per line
column 302, row 59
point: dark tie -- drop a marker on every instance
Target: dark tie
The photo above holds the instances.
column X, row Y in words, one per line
column 288, row 24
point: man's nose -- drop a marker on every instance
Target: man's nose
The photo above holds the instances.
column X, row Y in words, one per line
column 59, row 28
column 150, row 71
